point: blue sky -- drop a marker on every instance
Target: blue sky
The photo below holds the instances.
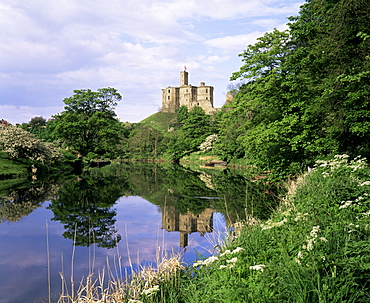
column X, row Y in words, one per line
column 49, row 48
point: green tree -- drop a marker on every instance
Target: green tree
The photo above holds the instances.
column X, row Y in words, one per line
column 306, row 90
column 196, row 127
column 145, row 142
column 88, row 122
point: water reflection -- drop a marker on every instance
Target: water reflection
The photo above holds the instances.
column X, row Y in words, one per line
column 108, row 207
column 84, row 206
column 18, row 198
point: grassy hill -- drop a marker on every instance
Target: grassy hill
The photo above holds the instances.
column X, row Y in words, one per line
column 160, row 121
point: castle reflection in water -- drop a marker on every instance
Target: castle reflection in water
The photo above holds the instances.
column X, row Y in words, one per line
column 173, row 220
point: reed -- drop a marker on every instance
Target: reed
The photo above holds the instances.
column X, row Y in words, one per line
column 111, row 285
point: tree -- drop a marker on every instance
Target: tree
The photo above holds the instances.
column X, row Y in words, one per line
column 20, row 144
column 145, row 143
column 37, row 122
column 306, row 90
column 196, row 127
column 88, row 122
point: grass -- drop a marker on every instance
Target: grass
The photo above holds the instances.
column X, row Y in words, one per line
column 160, row 121
column 10, row 168
column 314, row 248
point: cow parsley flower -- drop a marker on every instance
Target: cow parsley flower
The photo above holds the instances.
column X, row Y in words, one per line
column 259, row 267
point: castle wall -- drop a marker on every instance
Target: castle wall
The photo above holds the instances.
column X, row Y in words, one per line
column 187, row 95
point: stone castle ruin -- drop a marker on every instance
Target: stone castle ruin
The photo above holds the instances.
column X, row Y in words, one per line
column 188, row 95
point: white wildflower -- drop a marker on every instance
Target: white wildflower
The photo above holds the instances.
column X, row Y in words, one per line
column 238, row 249
column 257, row 267
column 226, row 252
column 365, row 183
column 345, row 204
column 310, row 244
column 210, row 260
column 151, row 291
column 274, row 224
column 198, row 263
column 233, row 260
column 314, row 231
column 208, row 144
column 323, row 239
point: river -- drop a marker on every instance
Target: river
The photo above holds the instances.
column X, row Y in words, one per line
column 121, row 217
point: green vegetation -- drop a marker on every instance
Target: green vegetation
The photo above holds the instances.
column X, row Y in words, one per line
column 10, row 168
column 88, row 124
column 305, row 93
column 313, row 249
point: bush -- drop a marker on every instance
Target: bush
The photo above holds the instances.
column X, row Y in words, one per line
column 20, row 144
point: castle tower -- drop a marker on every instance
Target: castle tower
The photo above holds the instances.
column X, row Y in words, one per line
column 184, row 78
column 187, row 95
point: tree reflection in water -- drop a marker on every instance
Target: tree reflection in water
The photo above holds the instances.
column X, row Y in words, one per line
column 187, row 199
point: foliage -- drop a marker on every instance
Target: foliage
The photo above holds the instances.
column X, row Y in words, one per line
column 314, row 248
column 11, row 168
column 38, row 127
column 195, row 127
column 88, row 123
column 208, row 144
column 145, row 142
column 305, row 92
column 19, row 143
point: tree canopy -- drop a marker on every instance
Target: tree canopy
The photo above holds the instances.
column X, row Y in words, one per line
column 306, row 90
column 88, row 123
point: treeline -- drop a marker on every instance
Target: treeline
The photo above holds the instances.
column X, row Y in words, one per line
column 302, row 93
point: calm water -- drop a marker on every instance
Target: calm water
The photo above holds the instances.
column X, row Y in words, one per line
column 124, row 211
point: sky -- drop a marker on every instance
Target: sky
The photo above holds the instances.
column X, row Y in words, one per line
column 50, row 48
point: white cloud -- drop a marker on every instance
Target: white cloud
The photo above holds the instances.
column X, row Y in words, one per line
column 234, row 43
column 47, row 49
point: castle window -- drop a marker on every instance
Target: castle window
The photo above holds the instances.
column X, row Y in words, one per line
column 169, row 97
column 169, row 90
column 206, row 90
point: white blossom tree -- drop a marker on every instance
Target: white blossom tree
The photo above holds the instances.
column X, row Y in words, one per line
column 208, row 144
column 20, row 144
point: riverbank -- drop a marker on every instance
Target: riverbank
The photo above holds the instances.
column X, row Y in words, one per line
column 314, row 248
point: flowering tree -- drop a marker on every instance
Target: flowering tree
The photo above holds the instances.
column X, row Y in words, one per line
column 208, row 144
column 19, row 143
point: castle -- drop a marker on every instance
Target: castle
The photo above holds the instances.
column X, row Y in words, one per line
column 188, row 95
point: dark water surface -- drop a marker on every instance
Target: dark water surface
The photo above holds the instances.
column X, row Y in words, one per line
column 120, row 212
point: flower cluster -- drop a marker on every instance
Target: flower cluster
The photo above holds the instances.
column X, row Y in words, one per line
column 259, row 267
column 150, row 291
column 207, row 179
column 341, row 162
column 269, row 224
column 229, row 263
column 208, row 144
column 19, row 143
